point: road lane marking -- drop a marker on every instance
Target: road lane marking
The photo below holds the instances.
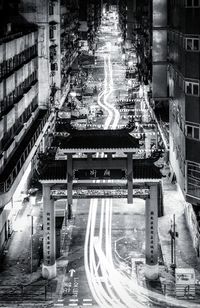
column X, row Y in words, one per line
column 75, row 304
column 87, row 299
column 72, row 271
column 87, row 304
column 73, row 300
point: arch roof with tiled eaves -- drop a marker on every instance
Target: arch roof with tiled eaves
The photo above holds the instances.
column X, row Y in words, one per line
column 96, row 140
column 143, row 169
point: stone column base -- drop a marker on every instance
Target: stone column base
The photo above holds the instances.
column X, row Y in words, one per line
column 151, row 271
column 49, row 271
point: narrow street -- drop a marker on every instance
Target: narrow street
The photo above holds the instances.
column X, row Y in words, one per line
column 103, row 245
column 107, row 236
column 85, row 282
column 110, row 231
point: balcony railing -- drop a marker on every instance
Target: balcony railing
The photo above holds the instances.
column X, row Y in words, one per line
column 7, row 137
column 15, row 96
column 13, row 166
column 9, row 66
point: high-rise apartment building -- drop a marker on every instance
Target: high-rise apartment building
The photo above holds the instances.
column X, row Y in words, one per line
column 46, row 15
column 69, row 40
column 166, row 38
column 90, row 18
column 22, row 120
column 184, row 92
column 39, row 42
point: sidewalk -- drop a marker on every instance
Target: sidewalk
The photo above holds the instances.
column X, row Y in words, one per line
column 174, row 203
column 17, row 284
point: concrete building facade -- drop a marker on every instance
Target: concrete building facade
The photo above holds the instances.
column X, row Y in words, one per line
column 184, row 83
column 165, row 37
column 39, row 44
column 89, row 17
column 21, row 118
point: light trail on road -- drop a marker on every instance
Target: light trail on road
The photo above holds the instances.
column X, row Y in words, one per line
column 102, row 277
column 102, row 95
column 109, row 286
column 113, row 113
column 106, row 290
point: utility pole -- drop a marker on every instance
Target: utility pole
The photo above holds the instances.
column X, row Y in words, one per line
column 173, row 233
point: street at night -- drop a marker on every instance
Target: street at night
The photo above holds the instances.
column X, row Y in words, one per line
column 99, row 153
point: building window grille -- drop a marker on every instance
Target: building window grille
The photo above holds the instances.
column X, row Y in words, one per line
column 193, row 179
column 7, row 66
column 192, row 3
column 192, row 44
column 192, row 88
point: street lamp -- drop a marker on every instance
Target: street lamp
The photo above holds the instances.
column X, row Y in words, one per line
column 73, row 94
column 130, row 63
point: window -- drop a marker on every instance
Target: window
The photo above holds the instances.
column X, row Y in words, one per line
column 188, row 87
column 189, row 131
column 192, row 44
column 189, row 44
column 192, row 88
column 195, row 44
column 192, row 132
column 51, row 9
column 196, row 132
column 193, row 179
column 192, row 3
column 195, row 89
column 51, row 32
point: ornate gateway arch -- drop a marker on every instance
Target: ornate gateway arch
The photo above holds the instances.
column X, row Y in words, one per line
column 99, row 155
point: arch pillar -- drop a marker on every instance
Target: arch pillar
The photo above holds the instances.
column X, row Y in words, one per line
column 151, row 230
column 49, row 244
column 69, row 184
column 130, row 177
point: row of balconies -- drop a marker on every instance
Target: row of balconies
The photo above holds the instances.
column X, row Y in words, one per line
column 16, row 95
column 14, row 36
column 18, row 125
column 13, row 167
column 9, row 66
